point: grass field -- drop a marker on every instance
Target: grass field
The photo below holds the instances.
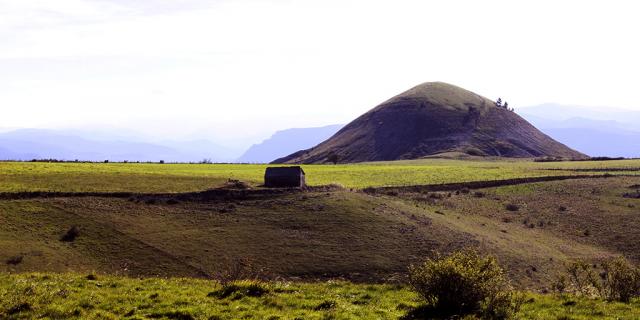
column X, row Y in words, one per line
column 142, row 247
column 322, row 235
column 74, row 296
column 133, row 177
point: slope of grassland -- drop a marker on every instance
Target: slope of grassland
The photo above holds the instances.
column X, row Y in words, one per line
column 73, row 296
column 310, row 235
column 327, row 234
column 133, row 177
column 148, row 249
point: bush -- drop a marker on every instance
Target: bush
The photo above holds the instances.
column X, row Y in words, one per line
column 325, row 305
column 239, row 289
column 18, row 308
column 241, row 269
column 15, row 260
column 632, row 195
column 178, row 315
column 172, row 201
column 512, row 207
column 618, row 281
column 71, row 234
column 236, row 184
column 465, row 283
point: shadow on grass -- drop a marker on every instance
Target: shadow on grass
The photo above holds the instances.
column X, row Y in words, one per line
column 424, row 312
column 239, row 290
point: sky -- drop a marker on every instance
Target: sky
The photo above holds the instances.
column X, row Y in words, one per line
column 232, row 71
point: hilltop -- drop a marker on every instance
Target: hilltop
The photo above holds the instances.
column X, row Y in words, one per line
column 433, row 118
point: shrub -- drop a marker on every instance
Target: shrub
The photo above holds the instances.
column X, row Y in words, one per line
column 618, row 281
column 632, row 195
column 325, row 305
column 560, row 286
column 18, row 308
column 236, row 184
column 15, row 260
column 333, row 158
column 369, row 190
column 239, row 289
column 71, row 234
column 177, row 315
column 512, row 207
column 437, row 195
column 465, row 283
column 582, row 277
column 241, row 269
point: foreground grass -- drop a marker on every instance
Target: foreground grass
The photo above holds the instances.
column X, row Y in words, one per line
column 56, row 296
column 73, row 296
column 146, row 177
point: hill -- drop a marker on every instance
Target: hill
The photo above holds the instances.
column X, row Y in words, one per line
column 434, row 118
column 287, row 141
column 324, row 232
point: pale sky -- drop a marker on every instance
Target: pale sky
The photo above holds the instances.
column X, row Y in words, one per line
column 242, row 69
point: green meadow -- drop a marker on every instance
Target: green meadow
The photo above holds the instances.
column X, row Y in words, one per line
column 133, row 257
column 151, row 177
column 75, row 296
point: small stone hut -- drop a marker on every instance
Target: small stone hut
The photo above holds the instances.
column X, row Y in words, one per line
column 284, row 177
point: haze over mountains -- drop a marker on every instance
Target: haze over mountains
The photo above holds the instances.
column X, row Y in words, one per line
column 287, row 141
column 595, row 131
column 27, row 144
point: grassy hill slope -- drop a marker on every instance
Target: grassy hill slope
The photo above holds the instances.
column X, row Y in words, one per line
column 429, row 119
column 326, row 234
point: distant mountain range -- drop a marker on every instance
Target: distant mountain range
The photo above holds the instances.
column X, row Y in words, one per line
column 27, row 144
column 593, row 131
column 625, row 119
column 287, row 141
